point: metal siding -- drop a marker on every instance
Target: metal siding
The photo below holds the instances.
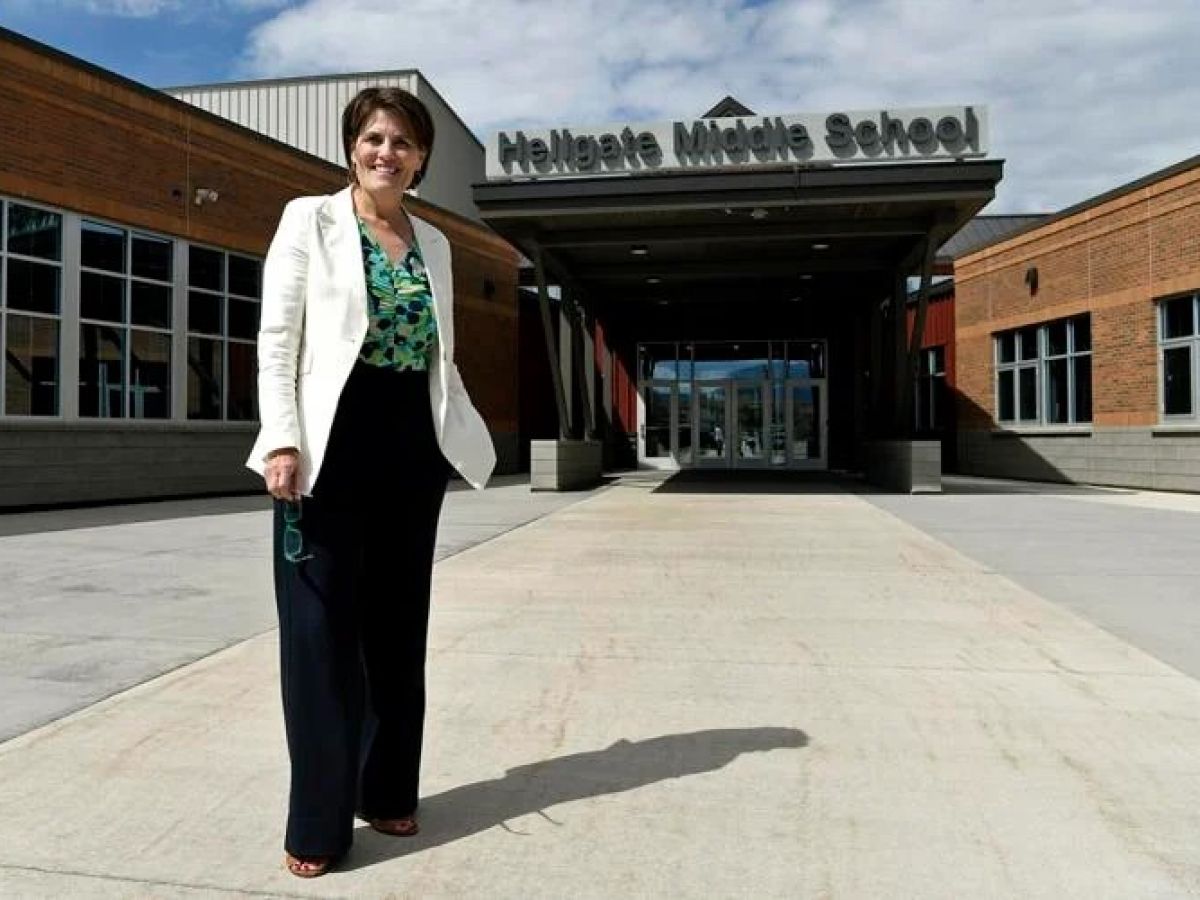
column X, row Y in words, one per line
column 939, row 330
column 309, row 119
column 329, row 102
column 939, row 322
column 307, row 115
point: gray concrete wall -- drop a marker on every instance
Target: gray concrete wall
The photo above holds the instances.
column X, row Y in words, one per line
column 905, row 466
column 1149, row 458
column 564, row 465
column 45, row 463
column 57, row 462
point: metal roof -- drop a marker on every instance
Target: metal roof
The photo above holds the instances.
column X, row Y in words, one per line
column 687, row 237
column 983, row 230
column 1091, row 203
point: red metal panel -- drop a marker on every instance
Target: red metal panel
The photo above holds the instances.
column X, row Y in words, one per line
column 622, row 386
column 939, row 329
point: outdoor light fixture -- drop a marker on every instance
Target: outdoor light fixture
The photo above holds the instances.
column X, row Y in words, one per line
column 820, row 246
column 638, row 250
column 205, row 195
column 806, row 277
column 653, row 279
column 758, row 214
column 1031, row 279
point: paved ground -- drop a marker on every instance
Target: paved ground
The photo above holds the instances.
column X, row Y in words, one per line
column 97, row 600
column 1127, row 560
column 664, row 690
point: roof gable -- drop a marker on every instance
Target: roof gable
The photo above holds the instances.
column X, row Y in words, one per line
column 728, row 108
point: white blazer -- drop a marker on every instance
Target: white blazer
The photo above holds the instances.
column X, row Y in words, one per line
column 314, row 321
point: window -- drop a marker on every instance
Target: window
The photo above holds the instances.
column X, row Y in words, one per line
column 125, row 289
column 31, row 278
column 1179, row 355
column 223, row 309
column 1044, row 373
column 930, row 406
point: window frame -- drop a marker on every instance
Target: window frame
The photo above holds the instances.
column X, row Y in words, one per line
column 1039, row 362
column 931, row 382
column 126, row 325
column 69, row 324
column 224, row 339
column 1190, row 342
column 7, row 311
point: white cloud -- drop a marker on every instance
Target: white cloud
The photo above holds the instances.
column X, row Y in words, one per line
column 134, row 9
column 1084, row 94
column 146, row 9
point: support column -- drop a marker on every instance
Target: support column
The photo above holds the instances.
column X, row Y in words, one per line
column 579, row 354
column 900, row 426
column 552, row 352
column 918, row 332
column 566, row 463
column 566, row 359
column 877, row 368
column 899, row 462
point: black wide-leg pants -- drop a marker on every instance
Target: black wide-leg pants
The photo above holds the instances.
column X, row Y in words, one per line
column 353, row 616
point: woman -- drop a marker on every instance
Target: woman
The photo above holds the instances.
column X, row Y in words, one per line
column 363, row 414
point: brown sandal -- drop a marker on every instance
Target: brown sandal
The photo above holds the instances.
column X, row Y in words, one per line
column 307, row 866
column 403, row 827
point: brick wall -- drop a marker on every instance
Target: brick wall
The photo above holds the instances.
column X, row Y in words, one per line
column 1114, row 260
column 83, row 139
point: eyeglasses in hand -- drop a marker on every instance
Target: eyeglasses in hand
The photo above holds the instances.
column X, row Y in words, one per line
column 293, row 538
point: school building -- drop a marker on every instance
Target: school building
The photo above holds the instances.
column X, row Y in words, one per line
column 734, row 290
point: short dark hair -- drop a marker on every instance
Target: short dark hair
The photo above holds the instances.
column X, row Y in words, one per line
column 399, row 103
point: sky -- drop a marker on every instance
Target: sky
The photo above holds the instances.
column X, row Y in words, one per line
column 1082, row 95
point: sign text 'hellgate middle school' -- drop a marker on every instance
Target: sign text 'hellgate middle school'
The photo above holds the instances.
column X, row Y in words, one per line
column 877, row 136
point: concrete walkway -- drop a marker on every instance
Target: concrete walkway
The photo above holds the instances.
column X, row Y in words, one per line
column 667, row 691
column 99, row 599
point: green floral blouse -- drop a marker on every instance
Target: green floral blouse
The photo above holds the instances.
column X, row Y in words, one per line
column 402, row 333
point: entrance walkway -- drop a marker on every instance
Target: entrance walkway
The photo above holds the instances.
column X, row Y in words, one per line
column 670, row 691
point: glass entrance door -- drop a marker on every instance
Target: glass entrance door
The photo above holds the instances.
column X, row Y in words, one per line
column 725, row 404
column 805, row 422
column 658, row 424
column 712, row 423
column 750, row 418
column 683, row 424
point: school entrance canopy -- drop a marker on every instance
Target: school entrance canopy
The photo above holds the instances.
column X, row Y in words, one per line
column 745, row 248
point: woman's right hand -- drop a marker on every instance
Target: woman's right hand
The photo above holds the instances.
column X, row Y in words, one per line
column 282, row 473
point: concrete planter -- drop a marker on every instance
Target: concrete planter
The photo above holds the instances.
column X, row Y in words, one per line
column 907, row 467
column 564, row 465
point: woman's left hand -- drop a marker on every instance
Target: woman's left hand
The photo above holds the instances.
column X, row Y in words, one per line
column 282, row 474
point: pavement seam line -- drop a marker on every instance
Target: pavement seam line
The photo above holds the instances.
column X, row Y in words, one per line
column 595, row 492
column 117, row 695
column 1058, row 609
column 98, row 706
column 119, row 879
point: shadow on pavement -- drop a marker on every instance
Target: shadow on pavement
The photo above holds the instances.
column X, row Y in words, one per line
column 749, row 481
column 966, row 484
column 31, row 521
column 760, row 481
column 623, row 766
